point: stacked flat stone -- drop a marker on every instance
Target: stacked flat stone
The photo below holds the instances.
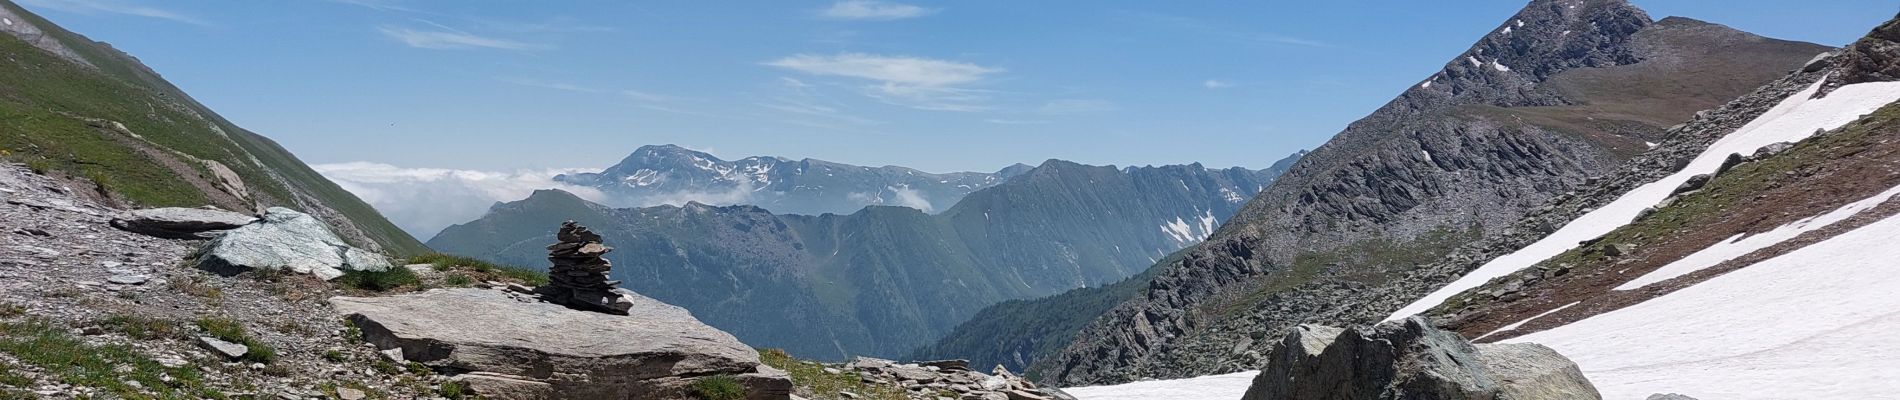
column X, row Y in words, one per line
column 578, row 277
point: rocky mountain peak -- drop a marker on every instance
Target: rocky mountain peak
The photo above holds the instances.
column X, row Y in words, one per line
column 1543, row 39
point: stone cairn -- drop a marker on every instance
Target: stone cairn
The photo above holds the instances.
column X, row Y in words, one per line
column 578, row 278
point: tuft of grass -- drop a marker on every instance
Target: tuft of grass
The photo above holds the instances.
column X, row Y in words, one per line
column 141, row 327
column 378, row 281
column 10, row 310
column 335, row 356
column 111, row 368
column 719, row 387
column 453, row 390
column 197, row 285
column 810, row 380
column 482, row 269
column 458, row 280
column 231, row 331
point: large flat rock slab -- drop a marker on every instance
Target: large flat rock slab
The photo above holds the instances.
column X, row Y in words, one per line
column 655, row 352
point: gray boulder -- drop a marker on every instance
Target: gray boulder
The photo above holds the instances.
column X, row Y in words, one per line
column 286, row 240
column 1411, row 359
column 543, row 350
column 179, row 222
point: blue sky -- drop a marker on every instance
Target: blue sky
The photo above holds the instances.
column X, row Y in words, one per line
column 940, row 86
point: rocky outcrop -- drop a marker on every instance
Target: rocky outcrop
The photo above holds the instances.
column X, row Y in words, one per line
column 285, row 239
column 578, row 278
column 512, row 347
column 931, row 379
column 1411, row 359
column 1875, row 58
column 180, row 223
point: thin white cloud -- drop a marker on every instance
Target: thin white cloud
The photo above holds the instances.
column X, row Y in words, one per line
column 422, row 201
column 873, row 10
column 553, row 85
column 934, row 98
column 1225, row 32
column 452, row 39
column 893, row 69
column 915, row 82
column 1216, row 84
column 378, row 5
column 1076, row 106
column 94, row 7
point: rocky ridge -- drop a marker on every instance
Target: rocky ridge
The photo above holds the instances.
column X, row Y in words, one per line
column 1416, row 181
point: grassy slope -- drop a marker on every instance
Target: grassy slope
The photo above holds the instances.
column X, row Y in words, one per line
column 41, row 96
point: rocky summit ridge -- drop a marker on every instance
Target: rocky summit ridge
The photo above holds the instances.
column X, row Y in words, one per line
column 1529, row 113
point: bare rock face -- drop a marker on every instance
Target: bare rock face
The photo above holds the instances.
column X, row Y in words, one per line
column 519, row 348
column 180, row 223
column 1411, row 359
column 288, row 240
column 578, row 278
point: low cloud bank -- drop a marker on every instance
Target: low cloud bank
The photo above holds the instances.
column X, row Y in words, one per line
column 422, row 201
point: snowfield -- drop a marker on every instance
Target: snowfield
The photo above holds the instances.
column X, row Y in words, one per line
column 1793, row 119
column 1211, row 387
column 1816, row 323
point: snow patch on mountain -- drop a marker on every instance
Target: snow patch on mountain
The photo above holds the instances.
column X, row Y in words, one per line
column 1793, row 119
column 1742, row 244
column 1809, row 324
column 1213, row 387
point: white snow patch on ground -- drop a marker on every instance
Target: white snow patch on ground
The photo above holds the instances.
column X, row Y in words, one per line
column 1211, row 387
column 1521, row 323
column 1740, row 246
column 1650, row 144
column 1428, row 155
column 1178, row 230
column 1794, row 119
column 1427, row 84
column 1520, row 23
column 1507, row 30
column 1474, row 61
column 1500, row 67
column 1815, row 323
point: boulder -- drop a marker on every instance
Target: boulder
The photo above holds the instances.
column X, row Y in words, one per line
column 180, row 223
column 286, row 240
column 656, row 351
column 1411, row 359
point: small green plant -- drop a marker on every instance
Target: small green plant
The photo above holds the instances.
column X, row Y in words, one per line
column 386, row 368
column 335, row 356
column 10, row 310
column 231, row 331
column 378, row 281
column 483, row 269
column 351, row 332
column 453, row 390
column 458, row 280
column 141, row 327
column 417, row 368
column 720, row 387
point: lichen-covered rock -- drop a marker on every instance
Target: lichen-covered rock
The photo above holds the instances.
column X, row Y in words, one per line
column 1411, row 359
column 520, row 345
column 286, row 240
column 179, row 222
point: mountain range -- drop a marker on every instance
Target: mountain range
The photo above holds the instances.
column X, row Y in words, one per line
column 883, row 280
column 673, row 175
column 1561, row 92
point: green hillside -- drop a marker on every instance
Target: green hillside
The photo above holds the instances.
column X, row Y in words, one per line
column 81, row 109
